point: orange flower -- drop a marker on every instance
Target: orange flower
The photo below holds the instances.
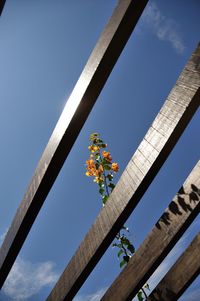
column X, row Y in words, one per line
column 98, row 179
column 115, row 167
column 91, row 168
column 90, row 162
column 107, row 155
column 93, row 148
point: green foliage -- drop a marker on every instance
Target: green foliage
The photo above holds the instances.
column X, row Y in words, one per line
column 110, row 177
column 147, row 286
column 106, row 167
column 122, row 263
column 97, row 157
column 131, row 248
column 140, row 296
column 117, row 245
column 126, row 258
column 104, row 199
column 120, row 253
column 111, row 185
column 100, row 167
column 101, row 191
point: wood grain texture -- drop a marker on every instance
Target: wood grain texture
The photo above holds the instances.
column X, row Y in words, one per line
column 76, row 111
column 180, row 276
column 136, row 178
column 175, row 220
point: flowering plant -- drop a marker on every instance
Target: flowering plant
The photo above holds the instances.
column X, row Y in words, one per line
column 102, row 169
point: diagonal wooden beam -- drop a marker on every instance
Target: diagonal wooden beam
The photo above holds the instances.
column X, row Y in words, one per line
column 160, row 139
column 180, row 276
column 2, row 3
column 175, row 220
column 76, row 111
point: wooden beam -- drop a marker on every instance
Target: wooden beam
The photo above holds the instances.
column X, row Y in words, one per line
column 75, row 113
column 180, row 276
column 2, row 3
column 166, row 129
column 175, row 220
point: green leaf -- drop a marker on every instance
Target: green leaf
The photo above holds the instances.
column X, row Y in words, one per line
column 110, row 177
column 101, row 190
column 104, row 199
column 106, row 167
column 122, row 263
column 105, row 161
column 120, row 253
column 125, row 240
column 126, row 258
column 131, row 248
column 111, row 185
column 147, row 286
column 94, row 135
column 139, row 296
column 97, row 157
column 103, row 145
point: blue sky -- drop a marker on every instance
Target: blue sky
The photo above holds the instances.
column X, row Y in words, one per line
column 44, row 45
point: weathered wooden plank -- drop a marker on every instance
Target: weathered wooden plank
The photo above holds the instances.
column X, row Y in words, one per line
column 133, row 183
column 78, row 107
column 175, row 220
column 180, row 276
column 2, row 3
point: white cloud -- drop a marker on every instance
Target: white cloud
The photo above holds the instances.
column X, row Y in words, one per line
column 164, row 28
column 92, row 297
column 27, row 279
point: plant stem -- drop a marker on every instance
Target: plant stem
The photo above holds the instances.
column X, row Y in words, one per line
column 144, row 293
column 105, row 181
column 125, row 251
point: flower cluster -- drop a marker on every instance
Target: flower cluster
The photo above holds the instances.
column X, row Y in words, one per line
column 100, row 166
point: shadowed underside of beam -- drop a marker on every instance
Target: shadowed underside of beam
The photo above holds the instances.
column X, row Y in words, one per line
column 167, row 231
column 76, row 111
column 180, row 276
column 166, row 129
column 2, row 3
